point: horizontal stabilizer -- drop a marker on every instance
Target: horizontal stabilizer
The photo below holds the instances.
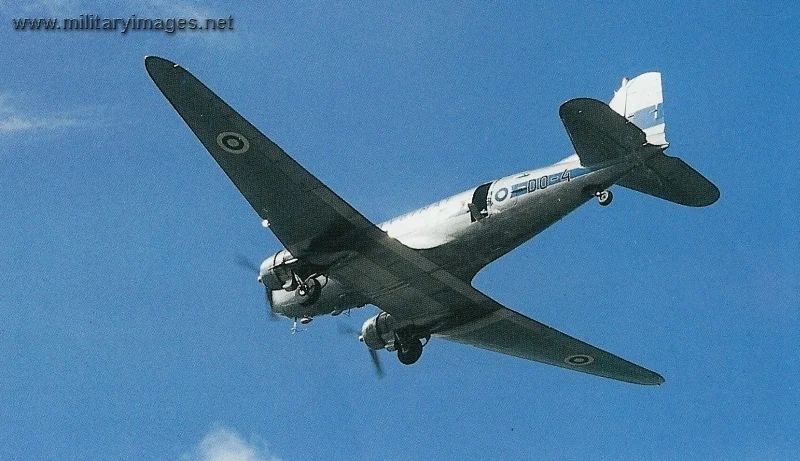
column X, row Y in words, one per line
column 670, row 178
column 598, row 133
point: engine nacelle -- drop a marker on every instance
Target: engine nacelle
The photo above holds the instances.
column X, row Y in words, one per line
column 379, row 332
column 323, row 296
column 277, row 271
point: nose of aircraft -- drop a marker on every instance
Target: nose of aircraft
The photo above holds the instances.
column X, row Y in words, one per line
column 263, row 269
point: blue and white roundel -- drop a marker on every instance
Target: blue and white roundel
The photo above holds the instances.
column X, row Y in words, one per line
column 232, row 142
column 501, row 194
column 579, row 360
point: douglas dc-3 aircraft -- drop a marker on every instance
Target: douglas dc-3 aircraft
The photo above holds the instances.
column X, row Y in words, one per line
column 417, row 268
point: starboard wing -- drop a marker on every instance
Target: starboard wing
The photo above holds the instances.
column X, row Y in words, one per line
column 309, row 219
column 274, row 184
column 512, row 333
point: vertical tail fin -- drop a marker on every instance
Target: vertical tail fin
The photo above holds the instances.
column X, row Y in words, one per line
column 641, row 101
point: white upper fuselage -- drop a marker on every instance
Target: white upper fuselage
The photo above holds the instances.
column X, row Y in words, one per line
column 505, row 213
column 517, row 208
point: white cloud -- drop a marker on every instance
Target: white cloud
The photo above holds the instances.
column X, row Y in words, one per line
column 222, row 444
column 12, row 120
column 192, row 9
column 180, row 9
column 15, row 123
column 177, row 8
column 49, row 7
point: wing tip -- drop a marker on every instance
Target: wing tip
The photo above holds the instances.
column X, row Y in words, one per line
column 157, row 66
column 654, row 379
column 637, row 375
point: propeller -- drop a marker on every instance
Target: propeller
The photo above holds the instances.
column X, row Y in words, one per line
column 246, row 263
column 350, row 331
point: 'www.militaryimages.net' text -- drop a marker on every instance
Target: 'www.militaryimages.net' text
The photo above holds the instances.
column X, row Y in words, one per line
column 93, row 22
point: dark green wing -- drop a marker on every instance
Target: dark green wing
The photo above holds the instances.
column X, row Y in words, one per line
column 313, row 222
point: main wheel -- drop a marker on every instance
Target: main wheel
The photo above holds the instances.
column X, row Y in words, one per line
column 409, row 352
column 605, row 197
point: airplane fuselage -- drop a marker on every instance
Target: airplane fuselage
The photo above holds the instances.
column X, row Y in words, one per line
column 465, row 232
column 516, row 208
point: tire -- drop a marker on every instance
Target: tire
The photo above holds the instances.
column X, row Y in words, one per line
column 410, row 352
column 605, row 197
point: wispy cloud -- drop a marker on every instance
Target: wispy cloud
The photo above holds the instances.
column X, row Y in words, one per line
column 60, row 7
column 179, row 8
column 49, row 7
column 223, row 444
column 16, row 121
column 193, row 9
column 15, row 124
column 166, row 8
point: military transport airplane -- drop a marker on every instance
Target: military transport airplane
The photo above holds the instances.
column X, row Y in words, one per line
column 417, row 268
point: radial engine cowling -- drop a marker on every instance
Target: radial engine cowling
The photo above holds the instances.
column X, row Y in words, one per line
column 379, row 332
column 324, row 296
column 277, row 271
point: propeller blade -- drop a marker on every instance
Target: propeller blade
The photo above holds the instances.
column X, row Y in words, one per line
column 377, row 362
column 347, row 330
column 246, row 263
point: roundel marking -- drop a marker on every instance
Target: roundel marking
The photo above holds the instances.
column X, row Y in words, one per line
column 232, row 142
column 579, row 360
column 501, row 194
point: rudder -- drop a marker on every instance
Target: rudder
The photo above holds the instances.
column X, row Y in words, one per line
column 641, row 101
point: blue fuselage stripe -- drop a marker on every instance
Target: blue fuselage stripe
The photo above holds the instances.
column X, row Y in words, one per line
column 543, row 182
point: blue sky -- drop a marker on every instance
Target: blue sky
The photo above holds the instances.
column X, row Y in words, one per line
column 128, row 332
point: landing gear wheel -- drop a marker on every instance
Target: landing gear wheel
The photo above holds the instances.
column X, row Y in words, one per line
column 309, row 291
column 409, row 352
column 605, row 197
